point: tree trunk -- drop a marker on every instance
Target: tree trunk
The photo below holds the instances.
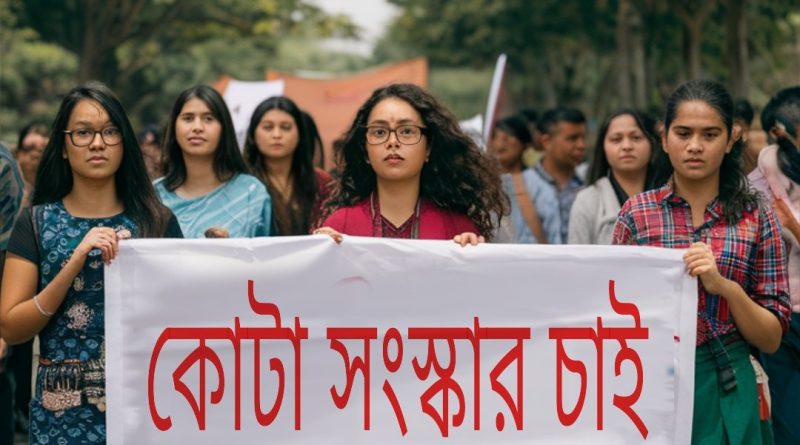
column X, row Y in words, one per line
column 638, row 58
column 623, row 41
column 691, row 49
column 737, row 54
column 694, row 15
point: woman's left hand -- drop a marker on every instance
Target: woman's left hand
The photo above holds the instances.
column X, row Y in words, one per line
column 700, row 262
column 468, row 238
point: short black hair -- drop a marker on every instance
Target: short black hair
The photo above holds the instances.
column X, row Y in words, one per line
column 530, row 115
column 553, row 116
column 768, row 114
column 743, row 110
column 515, row 126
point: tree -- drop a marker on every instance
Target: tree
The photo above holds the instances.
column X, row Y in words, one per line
column 94, row 30
column 694, row 15
column 149, row 50
column 736, row 49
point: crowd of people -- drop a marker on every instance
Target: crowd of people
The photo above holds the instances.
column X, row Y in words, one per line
column 698, row 178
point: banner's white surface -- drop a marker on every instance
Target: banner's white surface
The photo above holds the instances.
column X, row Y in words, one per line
column 242, row 98
column 410, row 286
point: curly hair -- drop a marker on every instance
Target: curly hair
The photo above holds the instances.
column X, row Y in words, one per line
column 457, row 177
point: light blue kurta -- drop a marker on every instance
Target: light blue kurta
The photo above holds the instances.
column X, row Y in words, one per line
column 242, row 206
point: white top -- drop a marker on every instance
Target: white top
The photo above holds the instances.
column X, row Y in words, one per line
column 594, row 214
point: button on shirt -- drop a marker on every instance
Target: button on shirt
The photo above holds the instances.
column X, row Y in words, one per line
column 749, row 252
column 553, row 204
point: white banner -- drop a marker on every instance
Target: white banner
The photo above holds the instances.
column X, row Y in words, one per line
column 242, row 99
column 388, row 341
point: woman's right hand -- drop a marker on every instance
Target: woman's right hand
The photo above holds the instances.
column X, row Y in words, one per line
column 330, row 232
column 102, row 238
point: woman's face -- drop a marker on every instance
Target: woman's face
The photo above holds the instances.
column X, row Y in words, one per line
column 392, row 160
column 197, row 130
column 696, row 142
column 277, row 135
column 506, row 148
column 626, row 147
column 98, row 159
column 29, row 154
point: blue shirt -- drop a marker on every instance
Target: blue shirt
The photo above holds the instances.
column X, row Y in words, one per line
column 242, row 206
column 552, row 204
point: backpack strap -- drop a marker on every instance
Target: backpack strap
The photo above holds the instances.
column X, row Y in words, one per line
column 526, row 207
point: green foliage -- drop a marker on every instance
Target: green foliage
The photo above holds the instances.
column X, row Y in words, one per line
column 146, row 50
column 461, row 89
column 32, row 74
column 565, row 52
column 560, row 51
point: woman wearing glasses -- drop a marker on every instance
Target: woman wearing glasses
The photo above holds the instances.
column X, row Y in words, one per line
column 408, row 171
column 280, row 150
column 206, row 182
column 91, row 190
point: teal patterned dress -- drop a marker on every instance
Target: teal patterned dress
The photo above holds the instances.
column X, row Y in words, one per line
column 74, row 336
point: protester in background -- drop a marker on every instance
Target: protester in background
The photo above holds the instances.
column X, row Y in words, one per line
column 734, row 249
column 11, row 190
column 626, row 143
column 150, row 141
column 30, row 145
column 534, row 152
column 279, row 149
column 31, row 142
column 206, row 183
column 557, row 179
column 408, row 171
column 743, row 117
column 777, row 177
column 509, row 141
column 91, row 190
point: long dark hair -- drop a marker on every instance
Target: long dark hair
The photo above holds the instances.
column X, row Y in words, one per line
column 54, row 177
column 457, row 176
column 302, row 175
column 734, row 191
column 227, row 158
column 600, row 167
column 313, row 133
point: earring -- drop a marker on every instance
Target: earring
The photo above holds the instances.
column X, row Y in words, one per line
column 64, row 154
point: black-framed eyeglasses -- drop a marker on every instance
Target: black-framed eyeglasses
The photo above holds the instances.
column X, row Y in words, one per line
column 405, row 134
column 81, row 137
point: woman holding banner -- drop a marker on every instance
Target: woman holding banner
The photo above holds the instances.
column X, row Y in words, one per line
column 54, row 284
column 408, row 171
column 280, row 151
column 733, row 246
column 206, row 182
column 622, row 167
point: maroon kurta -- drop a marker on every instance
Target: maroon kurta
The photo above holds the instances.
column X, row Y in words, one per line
column 434, row 223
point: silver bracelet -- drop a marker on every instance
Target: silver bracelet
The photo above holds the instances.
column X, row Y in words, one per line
column 40, row 308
